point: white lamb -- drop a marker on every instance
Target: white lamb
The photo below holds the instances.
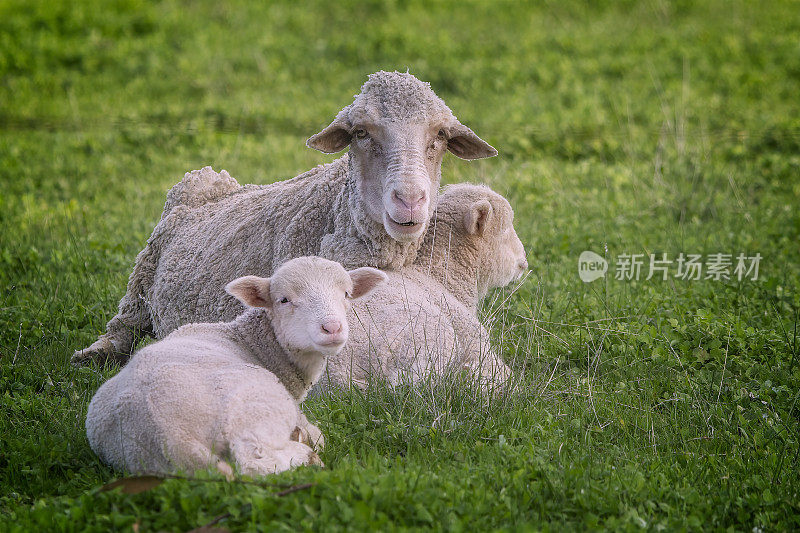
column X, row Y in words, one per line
column 227, row 394
column 371, row 207
column 424, row 320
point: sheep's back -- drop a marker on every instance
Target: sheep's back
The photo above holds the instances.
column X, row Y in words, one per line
column 249, row 232
column 402, row 329
column 194, row 386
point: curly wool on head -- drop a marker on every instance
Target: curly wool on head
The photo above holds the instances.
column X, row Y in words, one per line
column 399, row 96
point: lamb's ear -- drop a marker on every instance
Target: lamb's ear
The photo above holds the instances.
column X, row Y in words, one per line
column 335, row 138
column 477, row 217
column 252, row 291
column 463, row 142
column 364, row 280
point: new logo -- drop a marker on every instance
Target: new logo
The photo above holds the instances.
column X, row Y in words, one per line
column 591, row 266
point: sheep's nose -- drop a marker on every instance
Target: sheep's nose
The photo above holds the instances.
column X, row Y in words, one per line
column 409, row 200
column 523, row 264
column 332, row 327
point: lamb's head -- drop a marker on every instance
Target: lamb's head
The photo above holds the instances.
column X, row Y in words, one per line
column 475, row 221
column 398, row 131
column 307, row 300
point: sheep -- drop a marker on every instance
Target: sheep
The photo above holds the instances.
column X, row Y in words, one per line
column 424, row 320
column 370, row 207
column 227, row 394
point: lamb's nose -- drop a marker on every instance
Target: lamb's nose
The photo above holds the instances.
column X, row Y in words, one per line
column 411, row 201
column 523, row 264
column 332, row 327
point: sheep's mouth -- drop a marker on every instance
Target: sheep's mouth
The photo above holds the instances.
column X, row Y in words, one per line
column 522, row 274
column 333, row 341
column 402, row 231
column 409, row 224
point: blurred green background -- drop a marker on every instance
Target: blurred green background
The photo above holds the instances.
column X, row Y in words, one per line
column 623, row 127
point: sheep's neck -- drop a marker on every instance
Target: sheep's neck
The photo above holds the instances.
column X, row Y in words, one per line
column 454, row 264
column 357, row 240
column 253, row 330
column 309, row 365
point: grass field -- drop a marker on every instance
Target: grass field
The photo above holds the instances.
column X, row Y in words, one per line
column 623, row 128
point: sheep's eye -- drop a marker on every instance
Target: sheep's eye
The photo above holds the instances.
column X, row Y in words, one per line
column 347, row 294
column 284, row 300
column 361, row 134
column 441, row 134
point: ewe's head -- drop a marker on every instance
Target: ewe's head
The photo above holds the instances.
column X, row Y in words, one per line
column 398, row 131
column 481, row 222
column 307, row 299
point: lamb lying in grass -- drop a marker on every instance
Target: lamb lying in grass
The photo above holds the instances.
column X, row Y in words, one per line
column 227, row 394
column 424, row 320
column 369, row 208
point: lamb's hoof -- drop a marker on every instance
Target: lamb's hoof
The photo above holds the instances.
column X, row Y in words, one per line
column 86, row 356
column 314, row 460
column 226, row 470
column 301, row 435
column 97, row 354
column 313, row 439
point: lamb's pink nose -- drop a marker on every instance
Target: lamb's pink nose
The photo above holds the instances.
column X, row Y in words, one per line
column 412, row 201
column 332, row 327
column 522, row 264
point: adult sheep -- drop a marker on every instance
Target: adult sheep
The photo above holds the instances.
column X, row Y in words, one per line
column 370, row 207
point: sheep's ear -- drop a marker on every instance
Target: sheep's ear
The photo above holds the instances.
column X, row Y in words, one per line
column 477, row 217
column 252, row 291
column 335, row 138
column 463, row 142
column 364, row 280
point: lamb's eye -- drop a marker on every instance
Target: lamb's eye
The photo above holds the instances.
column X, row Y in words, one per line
column 347, row 294
column 441, row 134
column 284, row 300
column 361, row 134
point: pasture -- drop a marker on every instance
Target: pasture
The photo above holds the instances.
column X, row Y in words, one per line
column 624, row 128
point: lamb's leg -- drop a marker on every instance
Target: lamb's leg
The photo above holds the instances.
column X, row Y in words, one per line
column 492, row 374
column 308, row 433
column 301, row 435
column 255, row 457
column 116, row 344
column 132, row 321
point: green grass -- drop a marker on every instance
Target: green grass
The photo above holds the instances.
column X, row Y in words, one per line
column 642, row 127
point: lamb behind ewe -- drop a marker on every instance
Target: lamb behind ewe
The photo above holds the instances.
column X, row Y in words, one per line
column 371, row 207
column 209, row 395
column 424, row 320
